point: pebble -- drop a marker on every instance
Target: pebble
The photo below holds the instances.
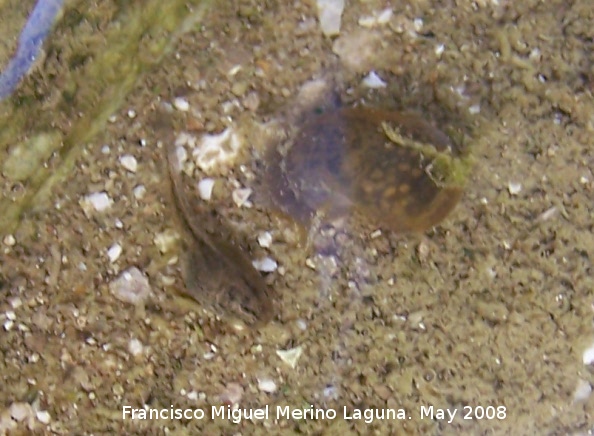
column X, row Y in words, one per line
column 114, row 252
column 135, row 347
column 20, row 411
column 330, row 14
column 588, row 356
column 267, row 385
column 43, row 416
column 376, row 19
column 265, row 264
column 9, row 240
column 131, row 287
column 373, row 81
column 582, row 391
column 99, row 201
column 181, row 104
column 129, row 162
column 514, row 188
column 139, row 191
column 291, row 356
column 265, row 239
column 240, row 197
column 205, row 187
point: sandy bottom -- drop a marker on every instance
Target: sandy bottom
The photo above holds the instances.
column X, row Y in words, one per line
column 487, row 315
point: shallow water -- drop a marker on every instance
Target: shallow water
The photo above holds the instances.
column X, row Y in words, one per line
column 489, row 308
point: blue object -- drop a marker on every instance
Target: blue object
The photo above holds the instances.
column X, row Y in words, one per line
column 32, row 36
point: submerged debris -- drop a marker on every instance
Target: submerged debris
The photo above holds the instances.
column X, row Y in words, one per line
column 291, row 356
column 98, row 202
column 131, row 287
column 330, row 14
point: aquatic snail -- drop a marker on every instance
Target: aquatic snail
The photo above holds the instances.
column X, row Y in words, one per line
column 394, row 167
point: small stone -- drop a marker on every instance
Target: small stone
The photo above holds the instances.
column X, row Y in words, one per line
column 181, row 104
column 291, row 356
column 241, row 196
column 376, row 19
column 114, row 252
column 329, row 15
column 20, row 411
column 372, row 80
column 582, row 391
column 131, row 287
column 139, row 191
column 135, row 347
column 588, row 356
column 239, row 88
column 265, row 239
column 267, row 385
column 9, row 240
column 43, row 416
column 514, row 188
column 98, row 201
column 375, row 234
column 205, row 187
column 265, row 264
column 439, row 49
column 129, row 162
column 131, row 114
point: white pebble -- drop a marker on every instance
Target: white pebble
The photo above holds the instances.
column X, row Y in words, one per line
column 181, row 104
column 9, row 240
column 474, row 109
column 20, row 411
column 43, row 416
column 129, row 162
column 205, row 187
column 99, row 201
column 588, row 356
column 372, row 80
column 265, row 239
column 439, row 49
column 131, row 287
column 135, row 347
column 382, row 17
column 582, row 391
column 139, row 191
column 265, row 265
column 8, row 324
column 241, row 196
column 291, row 356
column 329, row 14
column 131, row 114
column 514, row 188
column 114, row 252
column 267, row 385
